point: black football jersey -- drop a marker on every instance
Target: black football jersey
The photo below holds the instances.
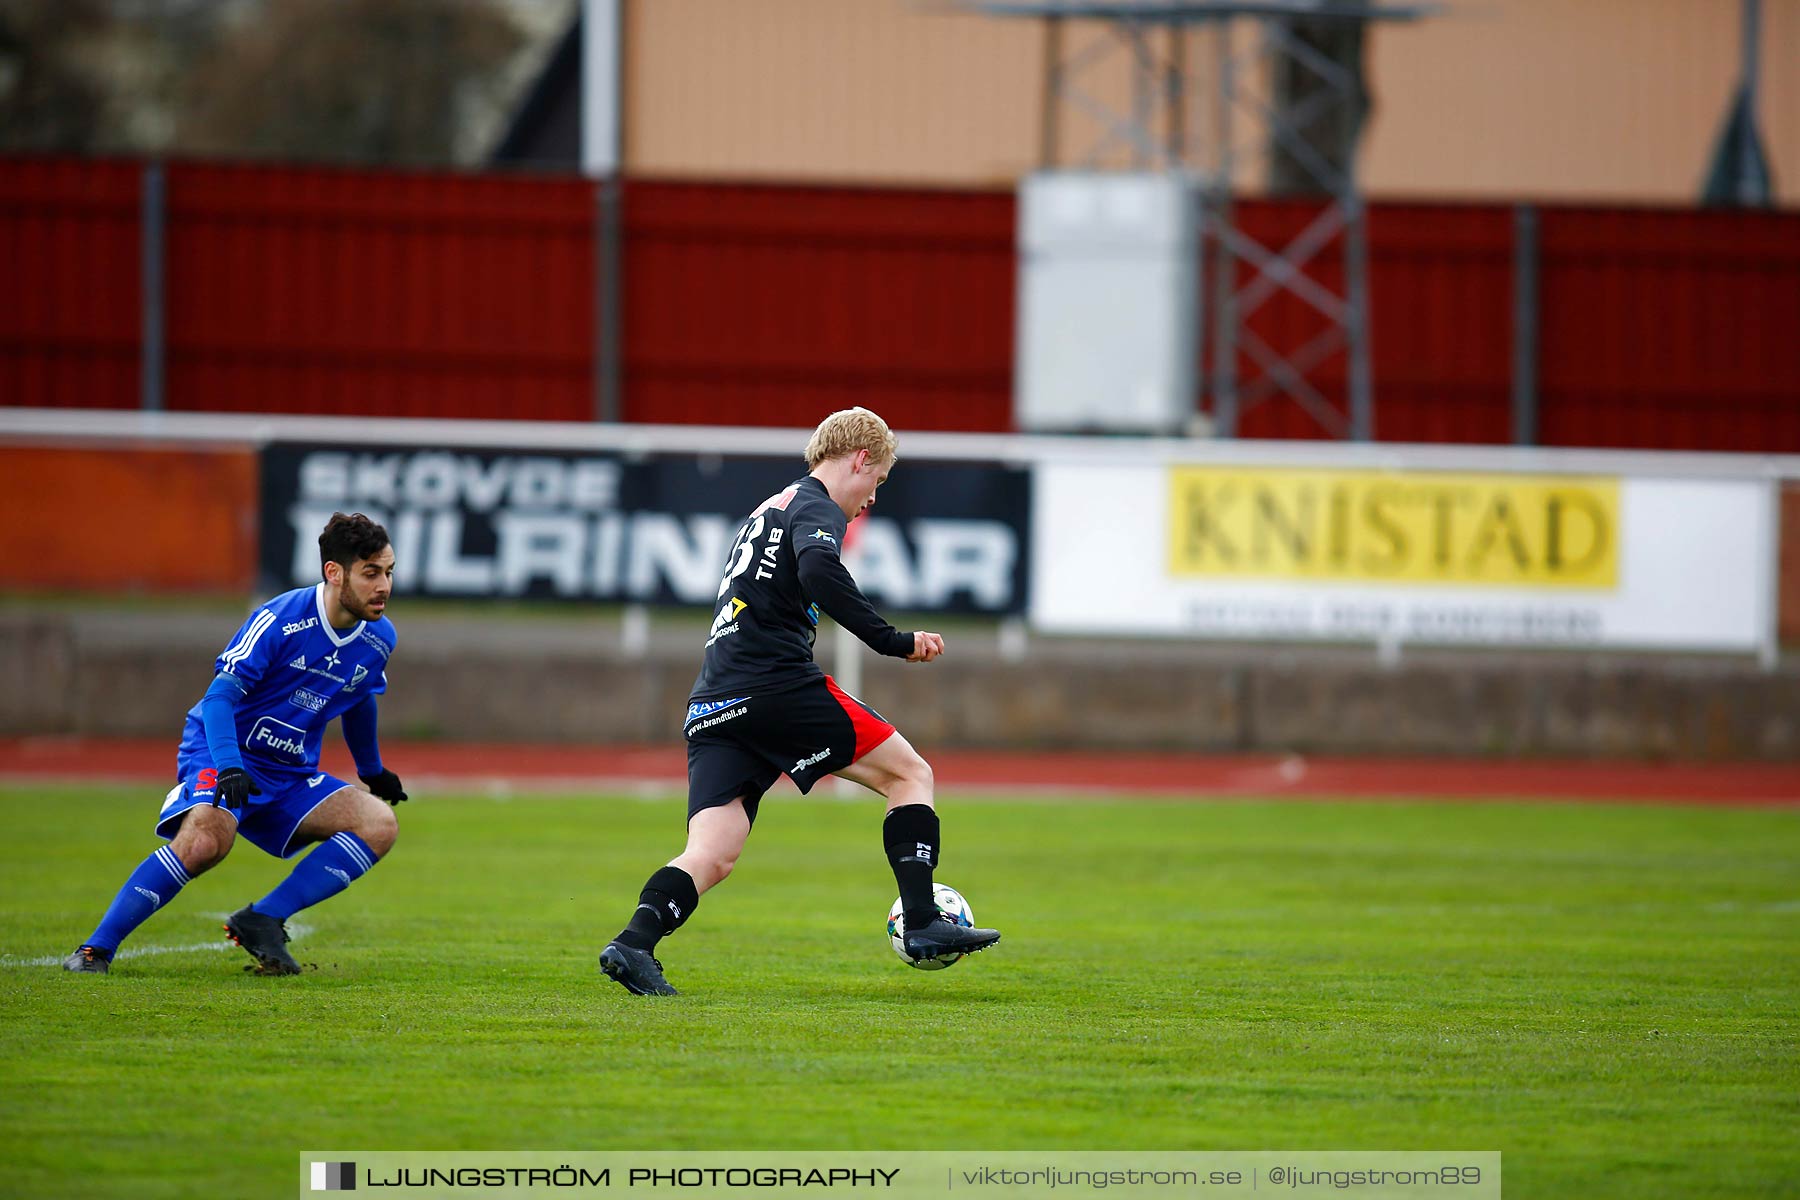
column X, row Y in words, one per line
column 784, row 567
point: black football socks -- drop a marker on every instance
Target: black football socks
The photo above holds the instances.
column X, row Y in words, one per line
column 668, row 900
column 910, row 834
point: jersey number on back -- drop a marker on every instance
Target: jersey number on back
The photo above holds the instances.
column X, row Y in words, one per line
column 743, row 553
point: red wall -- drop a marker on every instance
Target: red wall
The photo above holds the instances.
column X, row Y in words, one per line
column 314, row 291
column 389, row 293
column 301, row 290
column 777, row 305
column 69, row 309
column 1671, row 329
column 1441, row 286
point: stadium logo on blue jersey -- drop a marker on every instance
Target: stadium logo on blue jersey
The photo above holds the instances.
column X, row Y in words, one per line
column 310, row 701
column 297, row 626
column 822, row 535
column 712, row 706
column 272, row 735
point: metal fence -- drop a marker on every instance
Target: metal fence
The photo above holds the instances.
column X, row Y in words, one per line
column 208, row 287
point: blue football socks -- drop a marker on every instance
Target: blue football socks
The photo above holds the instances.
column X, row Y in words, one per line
column 335, row 865
column 151, row 886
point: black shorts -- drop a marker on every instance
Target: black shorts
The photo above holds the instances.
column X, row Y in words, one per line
column 739, row 745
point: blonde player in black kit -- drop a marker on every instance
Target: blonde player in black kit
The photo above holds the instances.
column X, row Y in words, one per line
column 761, row 707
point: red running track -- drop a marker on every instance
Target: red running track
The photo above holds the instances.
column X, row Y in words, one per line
column 477, row 766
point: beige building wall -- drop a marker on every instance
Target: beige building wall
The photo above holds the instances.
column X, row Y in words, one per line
column 1581, row 100
column 874, row 90
column 1604, row 100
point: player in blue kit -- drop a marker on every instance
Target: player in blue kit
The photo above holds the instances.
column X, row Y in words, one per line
column 249, row 757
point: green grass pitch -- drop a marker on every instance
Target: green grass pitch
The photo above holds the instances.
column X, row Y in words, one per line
column 1608, row 995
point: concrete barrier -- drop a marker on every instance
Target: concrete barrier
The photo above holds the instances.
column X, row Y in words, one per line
column 565, row 677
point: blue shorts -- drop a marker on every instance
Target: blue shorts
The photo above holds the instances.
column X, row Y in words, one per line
column 271, row 821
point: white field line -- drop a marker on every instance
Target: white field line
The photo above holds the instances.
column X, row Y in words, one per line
column 296, row 931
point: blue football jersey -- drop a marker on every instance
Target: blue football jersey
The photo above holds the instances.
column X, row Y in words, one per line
column 298, row 673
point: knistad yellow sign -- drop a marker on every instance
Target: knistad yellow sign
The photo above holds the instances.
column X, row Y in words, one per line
column 1378, row 527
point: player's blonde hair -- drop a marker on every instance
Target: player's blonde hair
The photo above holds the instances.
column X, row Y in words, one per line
column 847, row 431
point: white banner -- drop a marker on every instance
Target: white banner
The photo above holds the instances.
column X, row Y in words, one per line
column 1316, row 553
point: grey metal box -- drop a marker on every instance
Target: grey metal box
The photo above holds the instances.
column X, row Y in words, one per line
column 1108, row 302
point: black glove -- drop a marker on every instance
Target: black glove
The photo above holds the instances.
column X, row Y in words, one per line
column 234, row 788
column 385, row 785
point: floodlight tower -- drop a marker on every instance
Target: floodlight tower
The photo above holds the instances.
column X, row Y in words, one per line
column 1235, row 273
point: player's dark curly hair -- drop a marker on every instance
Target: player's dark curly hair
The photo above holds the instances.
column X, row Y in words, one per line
column 348, row 537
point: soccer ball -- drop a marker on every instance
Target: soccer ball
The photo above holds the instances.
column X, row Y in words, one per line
column 952, row 905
